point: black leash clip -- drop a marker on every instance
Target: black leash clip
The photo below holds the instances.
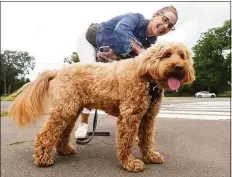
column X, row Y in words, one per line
column 154, row 93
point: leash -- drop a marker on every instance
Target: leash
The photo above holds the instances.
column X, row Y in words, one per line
column 86, row 140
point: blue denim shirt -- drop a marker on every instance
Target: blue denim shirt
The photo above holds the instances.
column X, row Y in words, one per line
column 120, row 30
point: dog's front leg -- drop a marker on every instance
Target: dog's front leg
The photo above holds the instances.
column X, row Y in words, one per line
column 146, row 135
column 127, row 129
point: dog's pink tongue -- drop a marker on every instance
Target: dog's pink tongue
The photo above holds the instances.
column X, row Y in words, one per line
column 173, row 84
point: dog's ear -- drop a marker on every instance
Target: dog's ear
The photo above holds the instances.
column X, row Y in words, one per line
column 191, row 72
column 158, row 49
column 144, row 62
column 148, row 58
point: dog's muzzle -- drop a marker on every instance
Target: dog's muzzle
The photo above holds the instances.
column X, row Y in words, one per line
column 177, row 72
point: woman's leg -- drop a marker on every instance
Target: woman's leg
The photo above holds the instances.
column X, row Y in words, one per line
column 82, row 127
column 87, row 54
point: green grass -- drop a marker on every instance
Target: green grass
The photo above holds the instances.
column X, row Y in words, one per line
column 5, row 98
column 4, row 114
column 225, row 94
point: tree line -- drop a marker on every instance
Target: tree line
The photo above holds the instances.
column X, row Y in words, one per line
column 211, row 55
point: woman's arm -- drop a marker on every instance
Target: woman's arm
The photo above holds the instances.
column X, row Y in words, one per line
column 124, row 33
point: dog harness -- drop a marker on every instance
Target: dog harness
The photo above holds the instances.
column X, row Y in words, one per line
column 154, row 92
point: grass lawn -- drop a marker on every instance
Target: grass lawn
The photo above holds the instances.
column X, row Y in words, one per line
column 4, row 114
column 5, row 98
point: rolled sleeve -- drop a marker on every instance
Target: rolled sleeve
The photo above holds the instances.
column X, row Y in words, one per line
column 124, row 31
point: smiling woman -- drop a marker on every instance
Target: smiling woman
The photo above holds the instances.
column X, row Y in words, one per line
column 163, row 21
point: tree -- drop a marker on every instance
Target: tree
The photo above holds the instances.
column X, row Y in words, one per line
column 15, row 66
column 213, row 68
column 73, row 59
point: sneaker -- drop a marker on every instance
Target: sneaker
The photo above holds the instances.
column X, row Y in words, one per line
column 81, row 131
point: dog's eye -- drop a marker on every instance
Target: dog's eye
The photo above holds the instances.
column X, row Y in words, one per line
column 182, row 56
column 167, row 55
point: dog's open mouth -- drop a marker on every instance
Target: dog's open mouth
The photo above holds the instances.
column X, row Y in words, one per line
column 174, row 83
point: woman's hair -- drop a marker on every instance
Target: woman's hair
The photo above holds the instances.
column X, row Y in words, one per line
column 165, row 9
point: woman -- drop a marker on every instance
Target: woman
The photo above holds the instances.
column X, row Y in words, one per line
column 126, row 36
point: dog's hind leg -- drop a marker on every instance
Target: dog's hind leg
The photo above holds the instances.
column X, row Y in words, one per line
column 59, row 124
column 146, row 135
column 63, row 147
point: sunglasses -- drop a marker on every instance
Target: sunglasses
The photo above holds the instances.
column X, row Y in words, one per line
column 167, row 21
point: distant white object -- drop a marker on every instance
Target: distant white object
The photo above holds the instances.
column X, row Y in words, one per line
column 205, row 94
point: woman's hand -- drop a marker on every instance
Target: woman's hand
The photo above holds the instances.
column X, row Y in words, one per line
column 137, row 48
column 109, row 56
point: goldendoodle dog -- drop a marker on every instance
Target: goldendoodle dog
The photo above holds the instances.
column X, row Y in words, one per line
column 130, row 90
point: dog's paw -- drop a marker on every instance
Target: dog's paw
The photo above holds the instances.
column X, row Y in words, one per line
column 66, row 151
column 134, row 165
column 40, row 162
column 153, row 157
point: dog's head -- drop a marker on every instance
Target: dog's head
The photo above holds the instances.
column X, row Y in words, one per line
column 169, row 64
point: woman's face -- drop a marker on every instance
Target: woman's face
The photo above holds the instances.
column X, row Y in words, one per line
column 162, row 23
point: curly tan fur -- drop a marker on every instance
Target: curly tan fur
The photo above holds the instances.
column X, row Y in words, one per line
column 120, row 89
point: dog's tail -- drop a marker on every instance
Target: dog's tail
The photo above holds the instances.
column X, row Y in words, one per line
column 28, row 105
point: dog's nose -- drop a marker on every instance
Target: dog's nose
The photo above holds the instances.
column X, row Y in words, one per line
column 178, row 68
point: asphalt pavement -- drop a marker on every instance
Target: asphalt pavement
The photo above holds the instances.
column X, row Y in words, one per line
column 192, row 148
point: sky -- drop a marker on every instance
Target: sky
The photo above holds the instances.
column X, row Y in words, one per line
column 49, row 30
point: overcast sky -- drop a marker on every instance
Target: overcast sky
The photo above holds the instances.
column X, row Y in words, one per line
column 48, row 30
